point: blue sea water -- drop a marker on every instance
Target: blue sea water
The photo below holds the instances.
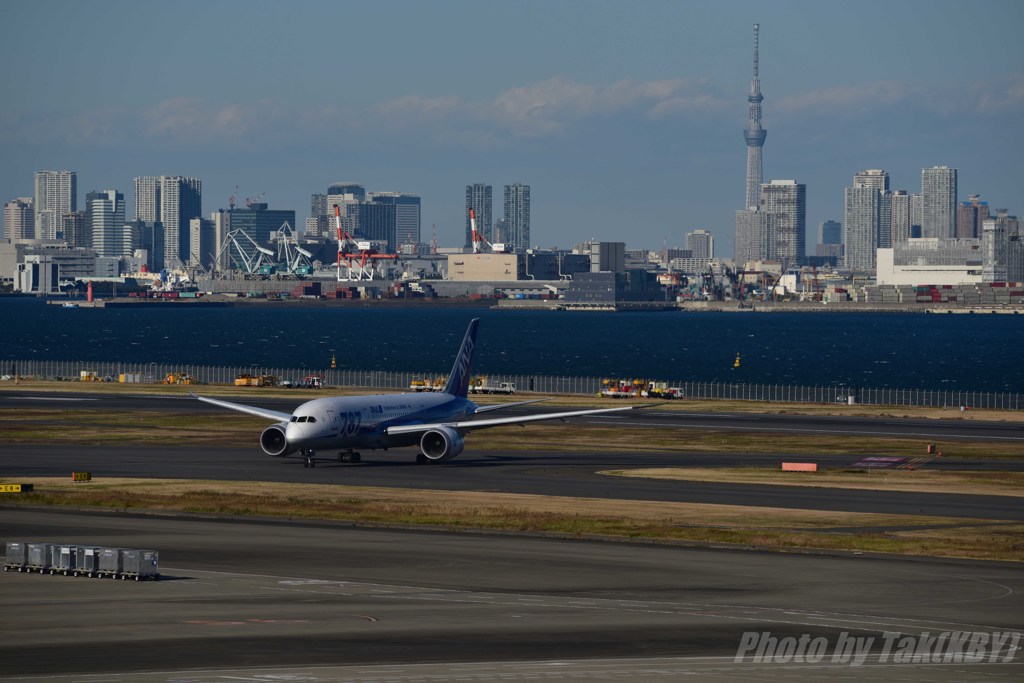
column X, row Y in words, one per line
column 914, row 351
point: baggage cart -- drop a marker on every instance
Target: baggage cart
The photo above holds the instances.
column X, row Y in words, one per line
column 39, row 557
column 110, row 563
column 62, row 558
column 87, row 561
column 16, row 557
column 140, row 564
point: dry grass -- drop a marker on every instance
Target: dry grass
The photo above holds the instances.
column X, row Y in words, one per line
column 987, row 483
column 769, row 528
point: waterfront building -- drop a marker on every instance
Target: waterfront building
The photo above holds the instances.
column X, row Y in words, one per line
column 478, row 198
column 516, row 227
column 860, row 227
column 173, row 201
column 931, row 261
column 786, row 202
column 19, row 219
column 56, row 195
column 105, row 215
column 1003, row 247
column 203, row 242
column 700, row 243
column 77, row 230
column 938, row 190
column 149, row 238
column 970, row 216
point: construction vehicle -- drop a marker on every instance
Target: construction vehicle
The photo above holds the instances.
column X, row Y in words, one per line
column 89, row 376
column 480, row 385
column 622, row 388
column 427, row 384
column 247, row 380
column 662, row 390
column 180, row 378
column 312, row 382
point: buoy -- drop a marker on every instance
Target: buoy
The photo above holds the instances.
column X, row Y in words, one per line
column 736, row 363
column 334, row 363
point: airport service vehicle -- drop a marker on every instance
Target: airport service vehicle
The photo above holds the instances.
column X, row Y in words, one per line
column 481, row 386
column 436, row 421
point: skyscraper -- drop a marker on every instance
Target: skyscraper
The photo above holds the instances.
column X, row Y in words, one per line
column 877, row 179
column 406, row 230
column 172, row 201
column 517, row 216
column 478, row 198
column 105, row 214
column 830, row 232
column 902, row 216
column 56, row 195
column 701, row 244
column 970, row 216
column 754, row 135
column 938, row 188
column 147, row 199
column 860, row 227
column 786, row 201
column 19, row 219
column 753, row 234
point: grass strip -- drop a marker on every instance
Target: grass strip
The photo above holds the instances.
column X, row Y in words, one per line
column 766, row 528
column 985, row 483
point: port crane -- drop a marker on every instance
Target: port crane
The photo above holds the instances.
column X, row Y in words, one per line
column 362, row 261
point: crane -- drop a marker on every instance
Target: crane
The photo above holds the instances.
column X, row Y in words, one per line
column 249, row 201
column 362, row 260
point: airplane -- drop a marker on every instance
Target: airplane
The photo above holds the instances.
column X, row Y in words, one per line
column 437, row 422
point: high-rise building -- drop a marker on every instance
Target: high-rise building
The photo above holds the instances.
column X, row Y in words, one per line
column 406, row 231
column 753, row 234
column 147, row 199
column 701, row 244
column 341, row 195
column 105, row 215
column 56, row 195
column 970, row 216
column 478, row 198
column 938, row 189
column 172, row 201
column 374, row 221
column 860, row 227
column 901, row 222
column 149, row 236
column 19, row 219
column 754, row 134
column 318, row 224
column 786, row 202
column 830, row 232
column 203, row 242
column 878, row 179
column 77, row 230
column 258, row 221
column 517, row 216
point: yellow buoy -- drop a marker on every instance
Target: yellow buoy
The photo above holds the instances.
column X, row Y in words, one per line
column 334, row 363
column 736, row 363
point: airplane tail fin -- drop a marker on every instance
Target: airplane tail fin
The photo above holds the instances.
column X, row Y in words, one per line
column 458, row 380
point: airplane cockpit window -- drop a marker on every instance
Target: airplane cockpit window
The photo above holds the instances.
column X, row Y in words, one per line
column 312, row 419
column 302, row 419
column 294, row 418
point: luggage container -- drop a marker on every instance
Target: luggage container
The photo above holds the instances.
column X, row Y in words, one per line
column 16, row 556
column 87, row 561
column 62, row 558
column 140, row 565
column 110, row 562
column 39, row 557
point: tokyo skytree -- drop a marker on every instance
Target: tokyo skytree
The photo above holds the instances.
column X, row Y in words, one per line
column 755, row 136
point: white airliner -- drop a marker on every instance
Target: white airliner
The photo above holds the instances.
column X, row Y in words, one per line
column 435, row 421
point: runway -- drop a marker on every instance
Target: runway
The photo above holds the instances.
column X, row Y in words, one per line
column 547, row 473
column 320, row 602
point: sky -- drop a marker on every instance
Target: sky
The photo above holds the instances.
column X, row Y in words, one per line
column 625, row 118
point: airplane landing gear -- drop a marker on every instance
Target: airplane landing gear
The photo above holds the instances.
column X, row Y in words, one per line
column 349, row 456
column 310, row 458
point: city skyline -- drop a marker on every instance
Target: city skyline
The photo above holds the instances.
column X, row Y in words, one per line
column 655, row 117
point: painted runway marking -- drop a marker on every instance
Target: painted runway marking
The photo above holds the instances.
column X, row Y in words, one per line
column 48, row 398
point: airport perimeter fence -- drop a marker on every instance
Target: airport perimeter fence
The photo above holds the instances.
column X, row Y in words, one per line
column 542, row 384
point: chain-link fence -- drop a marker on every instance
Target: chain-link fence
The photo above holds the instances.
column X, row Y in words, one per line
column 543, row 384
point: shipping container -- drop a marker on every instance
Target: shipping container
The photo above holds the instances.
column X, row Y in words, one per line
column 16, row 557
column 140, row 564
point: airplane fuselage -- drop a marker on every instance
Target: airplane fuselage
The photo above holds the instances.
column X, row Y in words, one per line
column 349, row 422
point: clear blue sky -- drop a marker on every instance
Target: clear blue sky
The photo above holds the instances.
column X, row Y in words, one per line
column 625, row 118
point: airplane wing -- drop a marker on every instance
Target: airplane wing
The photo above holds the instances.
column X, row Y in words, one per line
column 502, row 406
column 470, row 425
column 251, row 410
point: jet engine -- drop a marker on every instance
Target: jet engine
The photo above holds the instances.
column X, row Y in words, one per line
column 443, row 443
column 273, row 441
